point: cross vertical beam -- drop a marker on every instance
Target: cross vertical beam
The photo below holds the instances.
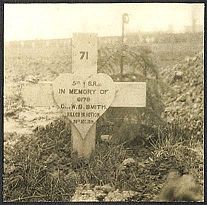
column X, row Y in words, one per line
column 84, row 62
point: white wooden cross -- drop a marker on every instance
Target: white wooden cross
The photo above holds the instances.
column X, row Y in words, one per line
column 84, row 63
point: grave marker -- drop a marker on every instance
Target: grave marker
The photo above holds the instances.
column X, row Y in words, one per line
column 84, row 95
column 83, row 99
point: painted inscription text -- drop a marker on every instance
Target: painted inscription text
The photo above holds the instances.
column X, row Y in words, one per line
column 84, row 99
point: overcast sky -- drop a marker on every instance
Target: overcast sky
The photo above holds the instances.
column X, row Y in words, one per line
column 50, row 21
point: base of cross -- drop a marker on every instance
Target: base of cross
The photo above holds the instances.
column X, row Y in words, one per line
column 84, row 147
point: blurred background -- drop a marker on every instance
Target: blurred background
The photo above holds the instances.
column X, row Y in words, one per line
column 55, row 21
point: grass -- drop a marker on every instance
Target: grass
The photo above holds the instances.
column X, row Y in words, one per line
column 187, row 151
column 42, row 167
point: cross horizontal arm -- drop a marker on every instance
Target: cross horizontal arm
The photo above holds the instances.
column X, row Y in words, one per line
column 128, row 94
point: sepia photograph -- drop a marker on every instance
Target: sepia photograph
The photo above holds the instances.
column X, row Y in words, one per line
column 103, row 102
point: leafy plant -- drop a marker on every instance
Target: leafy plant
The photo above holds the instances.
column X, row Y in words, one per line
column 138, row 67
